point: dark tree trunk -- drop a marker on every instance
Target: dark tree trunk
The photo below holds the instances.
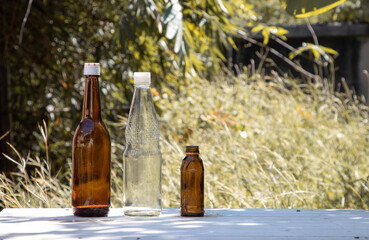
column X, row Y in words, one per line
column 5, row 164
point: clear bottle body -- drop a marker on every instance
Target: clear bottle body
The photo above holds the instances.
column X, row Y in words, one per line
column 142, row 158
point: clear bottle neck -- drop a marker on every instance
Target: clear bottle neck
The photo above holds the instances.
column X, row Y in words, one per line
column 142, row 126
column 142, row 86
column 91, row 101
column 142, row 94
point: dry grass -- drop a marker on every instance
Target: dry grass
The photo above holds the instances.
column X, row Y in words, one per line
column 264, row 144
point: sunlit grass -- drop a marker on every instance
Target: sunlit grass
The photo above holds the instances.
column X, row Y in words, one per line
column 264, row 144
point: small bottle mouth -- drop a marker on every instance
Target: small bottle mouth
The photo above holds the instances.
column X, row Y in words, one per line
column 192, row 150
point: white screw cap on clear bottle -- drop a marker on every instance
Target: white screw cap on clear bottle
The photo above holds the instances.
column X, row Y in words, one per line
column 142, row 78
column 91, row 69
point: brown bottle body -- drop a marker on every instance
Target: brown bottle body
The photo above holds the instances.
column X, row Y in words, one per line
column 192, row 184
column 91, row 158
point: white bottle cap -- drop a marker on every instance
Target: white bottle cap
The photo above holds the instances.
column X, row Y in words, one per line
column 142, row 78
column 91, row 69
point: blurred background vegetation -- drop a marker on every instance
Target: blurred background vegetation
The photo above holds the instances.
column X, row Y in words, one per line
column 272, row 12
column 267, row 140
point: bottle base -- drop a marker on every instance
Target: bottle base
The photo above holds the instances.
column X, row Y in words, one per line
column 192, row 214
column 141, row 211
column 86, row 211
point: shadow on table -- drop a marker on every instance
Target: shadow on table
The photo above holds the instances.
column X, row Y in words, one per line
column 168, row 226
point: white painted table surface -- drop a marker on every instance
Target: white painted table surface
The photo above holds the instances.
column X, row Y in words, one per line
column 255, row 224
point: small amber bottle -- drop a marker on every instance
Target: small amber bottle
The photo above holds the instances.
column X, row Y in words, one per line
column 192, row 183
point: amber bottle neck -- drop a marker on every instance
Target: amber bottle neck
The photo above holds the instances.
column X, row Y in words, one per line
column 192, row 154
column 192, row 150
column 91, row 101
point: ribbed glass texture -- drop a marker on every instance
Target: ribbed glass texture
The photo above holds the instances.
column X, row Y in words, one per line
column 142, row 158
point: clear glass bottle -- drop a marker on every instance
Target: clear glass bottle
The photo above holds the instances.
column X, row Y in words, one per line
column 192, row 183
column 91, row 153
column 142, row 156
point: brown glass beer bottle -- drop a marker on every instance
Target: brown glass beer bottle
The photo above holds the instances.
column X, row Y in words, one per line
column 192, row 183
column 91, row 153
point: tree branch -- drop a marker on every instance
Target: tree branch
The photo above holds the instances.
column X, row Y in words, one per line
column 278, row 54
column 24, row 21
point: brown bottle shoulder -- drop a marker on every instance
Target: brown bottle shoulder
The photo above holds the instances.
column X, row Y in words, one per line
column 89, row 130
column 192, row 164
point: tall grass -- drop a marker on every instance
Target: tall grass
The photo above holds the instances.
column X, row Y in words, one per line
column 265, row 142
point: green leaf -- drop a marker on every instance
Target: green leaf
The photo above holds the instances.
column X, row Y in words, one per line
column 266, row 33
column 315, row 53
column 308, row 8
column 219, row 53
column 173, row 17
column 171, row 12
column 167, row 14
column 173, row 26
column 329, row 50
column 177, row 45
column 298, row 51
column 258, row 28
column 281, row 32
column 230, row 40
column 221, row 5
column 188, row 29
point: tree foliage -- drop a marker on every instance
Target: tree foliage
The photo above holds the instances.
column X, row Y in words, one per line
column 177, row 42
